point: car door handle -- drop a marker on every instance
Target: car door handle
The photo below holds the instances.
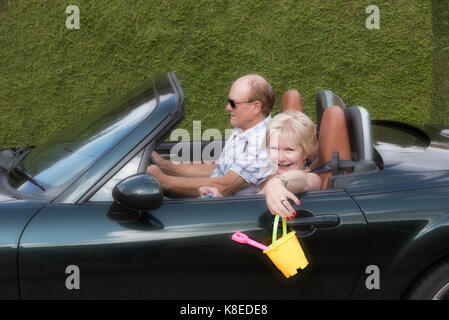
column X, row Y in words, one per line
column 319, row 221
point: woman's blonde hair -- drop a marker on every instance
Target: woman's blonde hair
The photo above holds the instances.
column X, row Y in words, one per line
column 297, row 127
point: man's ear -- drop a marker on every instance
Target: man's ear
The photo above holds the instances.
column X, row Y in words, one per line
column 257, row 106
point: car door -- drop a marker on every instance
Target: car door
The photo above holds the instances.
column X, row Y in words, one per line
column 184, row 250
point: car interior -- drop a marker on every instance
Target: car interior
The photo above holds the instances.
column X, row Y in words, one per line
column 345, row 144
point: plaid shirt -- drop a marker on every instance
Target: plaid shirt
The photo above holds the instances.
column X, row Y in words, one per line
column 244, row 154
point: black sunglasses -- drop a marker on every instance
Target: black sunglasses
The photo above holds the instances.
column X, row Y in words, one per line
column 234, row 103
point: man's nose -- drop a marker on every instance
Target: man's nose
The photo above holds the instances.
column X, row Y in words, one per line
column 228, row 107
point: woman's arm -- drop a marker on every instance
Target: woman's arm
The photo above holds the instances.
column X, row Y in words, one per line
column 297, row 182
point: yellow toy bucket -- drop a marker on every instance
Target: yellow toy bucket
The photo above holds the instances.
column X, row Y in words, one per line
column 286, row 253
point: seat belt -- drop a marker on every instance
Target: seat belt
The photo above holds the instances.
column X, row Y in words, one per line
column 336, row 166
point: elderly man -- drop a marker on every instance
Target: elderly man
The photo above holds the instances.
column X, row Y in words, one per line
column 244, row 163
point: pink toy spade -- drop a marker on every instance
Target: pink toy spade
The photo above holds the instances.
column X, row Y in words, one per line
column 243, row 238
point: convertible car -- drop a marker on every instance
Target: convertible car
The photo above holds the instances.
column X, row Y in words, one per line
column 81, row 219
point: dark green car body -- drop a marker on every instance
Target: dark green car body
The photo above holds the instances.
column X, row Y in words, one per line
column 393, row 220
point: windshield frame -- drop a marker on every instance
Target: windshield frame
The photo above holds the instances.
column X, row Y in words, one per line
column 172, row 107
column 168, row 113
column 84, row 143
column 154, row 129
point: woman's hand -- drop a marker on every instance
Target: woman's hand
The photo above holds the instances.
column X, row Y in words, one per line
column 277, row 196
column 205, row 190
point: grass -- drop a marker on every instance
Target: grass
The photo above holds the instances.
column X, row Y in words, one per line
column 440, row 83
column 51, row 76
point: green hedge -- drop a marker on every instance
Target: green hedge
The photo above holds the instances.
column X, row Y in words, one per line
column 440, row 83
column 51, row 76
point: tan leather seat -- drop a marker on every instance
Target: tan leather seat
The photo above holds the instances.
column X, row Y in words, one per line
column 325, row 99
column 333, row 137
column 291, row 100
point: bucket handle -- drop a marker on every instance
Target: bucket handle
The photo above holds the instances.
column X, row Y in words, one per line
column 275, row 229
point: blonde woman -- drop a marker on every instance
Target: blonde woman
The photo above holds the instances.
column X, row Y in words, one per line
column 291, row 142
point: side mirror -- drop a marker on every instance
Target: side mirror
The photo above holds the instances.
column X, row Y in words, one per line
column 140, row 192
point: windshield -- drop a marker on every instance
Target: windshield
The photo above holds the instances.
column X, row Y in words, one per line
column 68, row 153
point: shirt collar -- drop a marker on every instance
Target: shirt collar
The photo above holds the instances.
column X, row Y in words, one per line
column 262, row 124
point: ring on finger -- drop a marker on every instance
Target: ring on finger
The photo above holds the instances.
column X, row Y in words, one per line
column 282, row 201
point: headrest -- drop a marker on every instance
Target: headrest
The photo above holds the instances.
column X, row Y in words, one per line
column 359, row 129
column 325, row 99
column 291, row 100
column 333, row 137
